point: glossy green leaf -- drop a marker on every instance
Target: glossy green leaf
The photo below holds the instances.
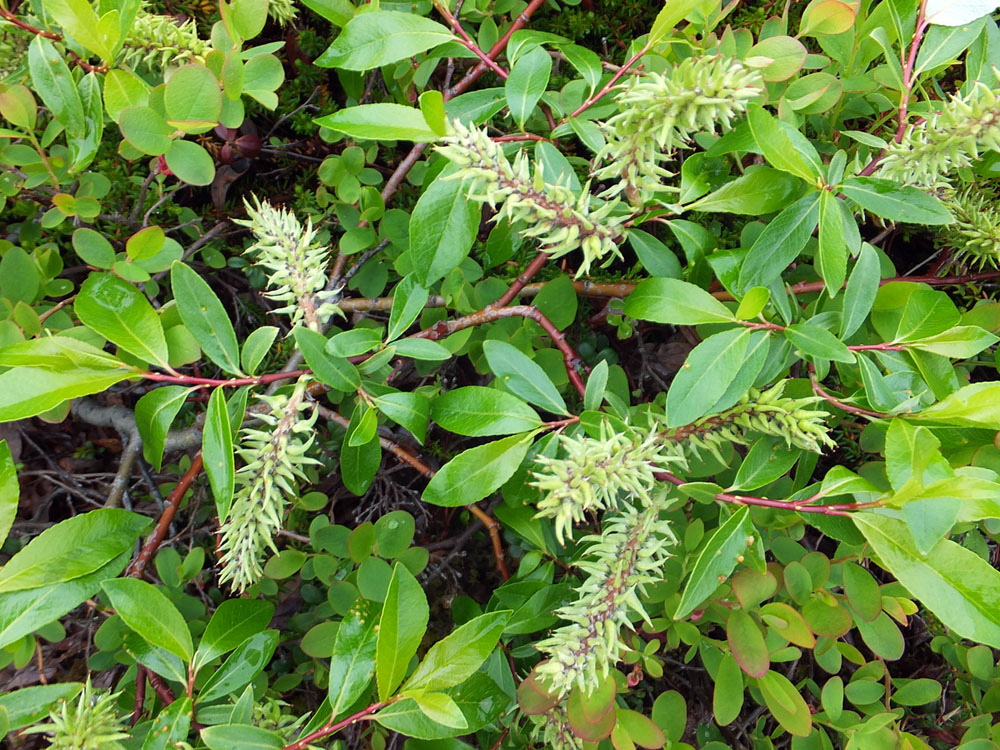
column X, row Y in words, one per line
column 455, row 657
column 72, row 548
column 122, row 314
column 401, row 628
column 671, row 14
column 523, row 376
column 206, row 318
column 477, row 412
column 147, row 611
column 93, row 248
column 783, row 146
column 758, row 191
column 410, row 410
column 249, row 17
column 727, row 697
column 960, row 342
column 475, row 473
column 692, row 395
column 154, row 413
column 171, row 725
column 383, row 121
column 256, row 346
column 60, row 353
column 353, row 661
column 193, row 97
column 440, row 708
column 768, row 459
column 53, row 82
column 232, row 623
column 973, row 405
column 658, row 259
column 479, row 698
column 442, row 228
column 242, row 666
column 832, row 252
column 242, row 736
column 780, row 243
column 818, row 343
column 718, row 559
column 957, row 585
column 675, row 302
column 370, row 40
column 336, row 372
column 10, row 491
column 892, row 201
column 29, row 705
column 408, row 300
column 217, row 450
column 145, row 129
column 25, row 611
column 528, row 79
column 862, row 286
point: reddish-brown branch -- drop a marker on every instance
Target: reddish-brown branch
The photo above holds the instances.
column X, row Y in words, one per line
column 492, row 312
column 331, row 728
column 140, row 694
column 534, row 267
column 230, row 383
column 161, row 688
column 154, row 540
column 609, row 85
column 10, row 17
column 831, row 399
column 468, row 41
column 838, row 509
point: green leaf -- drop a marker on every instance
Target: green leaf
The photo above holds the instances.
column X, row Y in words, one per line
column 335, row 372
column 862, row 592
column 917, row 692
column 597, row 385
column 122, row 314
column 443, row 227
column 954, row 583
column 675, row 302
column 927, row 313
column 974, row 405
column 691, row 394
column 232, row 623
column 456, row 657
column 241, row 736
column 242, row 666
column 145, row 129
column 30, row 705
column 190, row 162
column 72, row 548
column 10, row 491
column 892, row 201
column 783, row 146
column 217, row 448
column 257, row 345
column 206, row 318
column 818, row 343
column 401, row 628
column 370, row 40
column 154, row 413
column 528, row 79
column 727, row 697
column 145, row 243
column 353, row 661
column 78, row 18
column 93, row 248
column 960, row 342
column 29, row 391
column 765, row 462
column 353, row 343
column 60, row 353
column 171, row 725
column 23, row 612
column 409, row 410
column 53, row 82
column 862, row 286
column 358, row 463
column 408, row 301
column 944, row 43
column 249, row 17
column 440, row 708
column 192, row 98
column 759, row 190
column 746, row 642
column 147, row 611
column 786, row 704
column 422, row 349
column 717, row 559
column 831, row 254
column 655, row 257
column 479, row 698
column 382, row 122
column 671, row 14
column 475, row 473
column 523, row 376
column 477, row 412
column 780, row 243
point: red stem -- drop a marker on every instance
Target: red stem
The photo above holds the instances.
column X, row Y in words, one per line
column 329, row 729
column 230, row 383
column 609, row 85
column 829, row 398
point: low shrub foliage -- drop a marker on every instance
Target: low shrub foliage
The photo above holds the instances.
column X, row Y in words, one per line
column 525, row 389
